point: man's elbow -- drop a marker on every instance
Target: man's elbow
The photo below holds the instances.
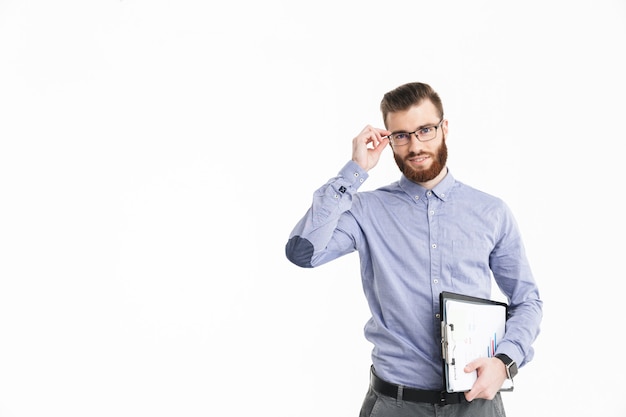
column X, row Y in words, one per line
column 299, row 251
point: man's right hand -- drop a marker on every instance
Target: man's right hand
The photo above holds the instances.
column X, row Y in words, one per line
column 368, row 145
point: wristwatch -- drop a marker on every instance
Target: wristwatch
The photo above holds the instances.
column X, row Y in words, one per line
column 511, row 366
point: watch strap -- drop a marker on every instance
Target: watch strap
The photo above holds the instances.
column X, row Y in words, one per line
column 510, row 365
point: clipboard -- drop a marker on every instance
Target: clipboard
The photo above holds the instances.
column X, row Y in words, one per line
column 471, row 328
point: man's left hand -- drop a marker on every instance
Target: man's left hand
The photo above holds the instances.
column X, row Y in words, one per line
column 491, row 375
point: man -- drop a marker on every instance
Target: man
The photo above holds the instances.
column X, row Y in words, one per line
column 417, row 237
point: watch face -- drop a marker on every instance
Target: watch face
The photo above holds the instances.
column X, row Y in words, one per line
column 512, row 370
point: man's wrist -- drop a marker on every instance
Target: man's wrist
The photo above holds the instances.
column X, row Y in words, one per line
column 509, row 364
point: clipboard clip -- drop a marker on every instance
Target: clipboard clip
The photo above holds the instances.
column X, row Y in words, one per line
column 448, row 344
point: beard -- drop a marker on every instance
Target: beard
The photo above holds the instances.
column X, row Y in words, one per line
column 419, row 176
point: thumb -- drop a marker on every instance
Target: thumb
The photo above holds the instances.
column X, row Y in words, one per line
column 472, row 366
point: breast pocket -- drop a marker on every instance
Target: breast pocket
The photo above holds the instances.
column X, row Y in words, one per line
column 469, row 262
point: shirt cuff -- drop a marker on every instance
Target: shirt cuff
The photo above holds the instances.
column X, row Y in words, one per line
column 353, row 174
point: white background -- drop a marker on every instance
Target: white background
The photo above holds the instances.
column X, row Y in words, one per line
column 155, row 155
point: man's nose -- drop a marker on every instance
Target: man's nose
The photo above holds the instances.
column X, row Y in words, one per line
column 414, row 142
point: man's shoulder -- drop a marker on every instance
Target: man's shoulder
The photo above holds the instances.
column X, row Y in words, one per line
column 475, row 196
column 475, row 191
column 381, row 195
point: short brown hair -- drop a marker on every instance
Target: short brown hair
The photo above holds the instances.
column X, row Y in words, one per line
column 408, row 95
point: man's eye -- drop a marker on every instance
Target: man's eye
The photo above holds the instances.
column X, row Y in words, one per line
column 426, row 130
column 401, row 136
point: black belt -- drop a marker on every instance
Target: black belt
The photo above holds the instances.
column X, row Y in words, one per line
column 400, row 392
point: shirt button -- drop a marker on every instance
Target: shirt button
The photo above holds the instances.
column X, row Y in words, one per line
column 432, row 212
column 435, row 281
column 336, row 195
column 429, row 193
column 356, row 174
column 437, row 315
column 434, row 246
column 361, row 180
column 417, row 197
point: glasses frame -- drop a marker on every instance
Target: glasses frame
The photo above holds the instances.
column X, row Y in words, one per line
column 437, row 126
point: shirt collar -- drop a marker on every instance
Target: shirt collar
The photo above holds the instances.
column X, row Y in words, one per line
column 441, row 190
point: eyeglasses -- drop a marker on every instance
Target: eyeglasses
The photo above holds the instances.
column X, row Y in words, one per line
column 423, row 134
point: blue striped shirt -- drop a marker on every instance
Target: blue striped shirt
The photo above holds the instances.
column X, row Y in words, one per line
column 414, row 243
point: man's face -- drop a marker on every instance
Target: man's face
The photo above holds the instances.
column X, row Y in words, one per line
column 419, row 161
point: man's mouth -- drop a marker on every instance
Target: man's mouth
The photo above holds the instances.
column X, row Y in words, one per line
column 418, row 159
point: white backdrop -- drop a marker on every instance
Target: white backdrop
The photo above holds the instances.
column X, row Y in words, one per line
column 155, row 155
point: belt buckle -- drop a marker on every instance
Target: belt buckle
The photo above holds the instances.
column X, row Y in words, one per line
column 447, row 398
column 444, row 398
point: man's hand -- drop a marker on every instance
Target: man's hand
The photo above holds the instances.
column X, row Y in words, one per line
column 491, row 375
column 368, row 145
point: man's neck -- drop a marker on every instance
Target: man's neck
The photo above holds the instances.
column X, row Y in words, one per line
column 429, row 185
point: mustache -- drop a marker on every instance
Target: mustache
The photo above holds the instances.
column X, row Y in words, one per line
column 413, row 154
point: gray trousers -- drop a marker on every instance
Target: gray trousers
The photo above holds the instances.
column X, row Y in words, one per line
column 378, row 405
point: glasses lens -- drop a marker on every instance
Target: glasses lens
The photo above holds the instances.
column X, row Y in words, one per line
column 427, row 133
column 401, row 138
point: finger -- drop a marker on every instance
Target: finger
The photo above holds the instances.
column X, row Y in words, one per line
column 365, row 136
column 368, row 135
column 380, row 142
column 475, row 392
column 384, row 141
column 380, row 133
column 374, row 137
column 377, row 132
column 470, row 367
column 381, row 137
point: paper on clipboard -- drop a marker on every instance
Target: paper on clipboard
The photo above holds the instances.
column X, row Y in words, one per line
column 471, row 328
